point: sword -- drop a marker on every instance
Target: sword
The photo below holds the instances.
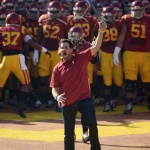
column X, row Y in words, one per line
column 98, row 15
column 95, row 10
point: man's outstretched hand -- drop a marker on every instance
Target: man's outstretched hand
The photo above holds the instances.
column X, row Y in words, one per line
column 102, row 25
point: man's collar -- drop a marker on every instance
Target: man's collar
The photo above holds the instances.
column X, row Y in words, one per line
column 68, row 61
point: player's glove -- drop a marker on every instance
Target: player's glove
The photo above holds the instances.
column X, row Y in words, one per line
column 116, row 55
column 35, row 57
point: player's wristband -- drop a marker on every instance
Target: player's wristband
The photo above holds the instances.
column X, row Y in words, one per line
column 44, row 49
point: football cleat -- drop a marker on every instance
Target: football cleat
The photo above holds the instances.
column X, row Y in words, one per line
column 128, row 109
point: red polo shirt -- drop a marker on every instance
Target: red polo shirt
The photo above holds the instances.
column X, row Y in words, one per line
column 72, row 77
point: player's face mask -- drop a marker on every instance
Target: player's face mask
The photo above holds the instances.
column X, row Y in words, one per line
column 53, row 14
column 138, row 14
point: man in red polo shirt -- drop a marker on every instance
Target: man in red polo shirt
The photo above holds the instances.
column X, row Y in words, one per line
column 70, row 88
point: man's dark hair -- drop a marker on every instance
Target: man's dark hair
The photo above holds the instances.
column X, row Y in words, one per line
column 66, row 41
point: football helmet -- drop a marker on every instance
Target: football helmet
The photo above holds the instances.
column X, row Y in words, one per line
column 9, row 4
column 3, row 14
column 20, row 5
column 65, row 7
column 54, row 9
column 137, row 9
column 108, row 14
column 32, row 11
column 117, row 8
column 105, row 4
column 113, row 1
column 13, row 18
column 80, row 9
column 146, row 3
column 98, row 4
column 76, row 35
column 42, row 4
column 127, row 6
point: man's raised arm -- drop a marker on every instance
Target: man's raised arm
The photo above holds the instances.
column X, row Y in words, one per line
column 98, row 42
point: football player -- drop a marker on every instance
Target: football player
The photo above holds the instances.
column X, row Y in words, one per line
column 51, row 30
column 134, row 38
column 89, row 25
column 12, row 36
column 110, row 72
column 30, row 21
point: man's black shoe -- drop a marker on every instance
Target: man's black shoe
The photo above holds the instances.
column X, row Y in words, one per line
column 85, row 139
column 128, row 109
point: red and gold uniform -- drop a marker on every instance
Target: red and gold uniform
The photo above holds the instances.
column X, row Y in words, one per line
column 136, row 57
column 12, row 37
column 32, row 27
column 53, row 31
column 109, row 70
column 89, row 25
